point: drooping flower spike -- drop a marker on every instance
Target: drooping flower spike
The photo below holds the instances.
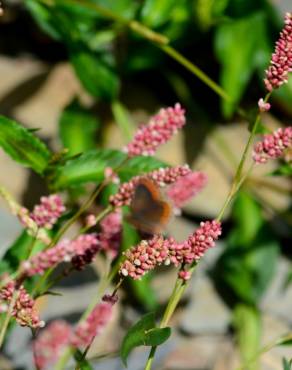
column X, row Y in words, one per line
column 273, row 145
column 158, row 131
column 23, row 309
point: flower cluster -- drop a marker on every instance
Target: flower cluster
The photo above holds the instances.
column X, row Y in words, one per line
column 48, row 211
column 162, row 177
column 186, row 187
column 273, row 145
column 148, row 254
column 281, row 62
column 158, row 131
column 23, row 309
column 83, row 249
column 111, row 230
column 86, row 331
column 145, row 256
column 50, row 343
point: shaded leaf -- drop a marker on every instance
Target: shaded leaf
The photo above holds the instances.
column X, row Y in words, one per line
column 77, row 128
column 97, row 77
column 238, row 55
column 122, row 118
column 283, row 170
column 139, row 165
column 143, row 333
column 88, row 167
column 82, row 363
column 23, row 146
column 154, row 13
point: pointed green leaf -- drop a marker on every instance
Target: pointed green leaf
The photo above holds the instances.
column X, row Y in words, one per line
column 98, row 78
column 139, row 165
column 88, row 167
column 23, row 146
column 287, row 365
column 143, row 333
column 81, row 362
column 78, row 128
column 154, row 13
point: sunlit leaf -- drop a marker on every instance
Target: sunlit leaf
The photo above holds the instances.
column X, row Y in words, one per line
column 23, row 146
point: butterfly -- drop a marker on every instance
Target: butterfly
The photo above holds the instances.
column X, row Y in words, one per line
column 150, row 213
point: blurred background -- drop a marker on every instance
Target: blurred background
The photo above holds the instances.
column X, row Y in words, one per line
column 84, row 81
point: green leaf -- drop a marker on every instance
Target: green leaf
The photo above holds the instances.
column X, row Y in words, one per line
column 287, row 365
column 246, row 267
column 139, row 165
column 283, row 170
column 143, row 333
column 247, row 323
column 154, row 13
column 19, row 249
column 88, row 167
column 23, row 146
column 98, row 78
column 122, row 118
column 77, row 128
column 285, row 340
column 82, row 363
column 238, row 55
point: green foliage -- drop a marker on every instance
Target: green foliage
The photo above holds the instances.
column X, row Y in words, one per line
column 122, row 118
column 287, row 365
column 81, row 362
column 139, row 165
column 240, row 55
column 248, row 264
column 23, row 146
column 18, row 251
column 88, row 167
column 77, row 129
column 96, row 75
column 155, row 13
column 284, row 169
column 246, row 320
column 143, row 333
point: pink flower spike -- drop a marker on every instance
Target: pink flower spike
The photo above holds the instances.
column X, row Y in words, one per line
column 50, row 343
column 158, row 131
column 47, row 213
column 23, row 310
column 162, row 177
column 281, row 62
column 263, row 107
column 273, row 145
column 87, row 330
column 80, row 251
column 145, row 257
column 186, row 187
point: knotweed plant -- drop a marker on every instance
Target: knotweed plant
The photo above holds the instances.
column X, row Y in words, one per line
column 101, row 224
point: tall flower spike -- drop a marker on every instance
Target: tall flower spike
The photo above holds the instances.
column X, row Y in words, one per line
column 273, row 145
column 186, row 187
column 162, row 177
column 86, row 331
column 158, row 131
column 197, row 244
column 85, row 246
column 281, row 62
column 50, row 343
column 145, row 256
column 23, row 310
column 46, row 214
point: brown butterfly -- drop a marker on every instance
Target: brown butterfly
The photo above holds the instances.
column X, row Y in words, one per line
column 150, row 213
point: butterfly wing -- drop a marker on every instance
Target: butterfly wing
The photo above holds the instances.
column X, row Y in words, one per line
column 149, row 212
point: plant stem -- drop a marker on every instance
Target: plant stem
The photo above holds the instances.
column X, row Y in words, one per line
column 7, row 317
column 235, row 186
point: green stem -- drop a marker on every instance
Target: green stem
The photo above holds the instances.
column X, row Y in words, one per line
column 60, row 365
column 7, row 317
column 235, row 186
